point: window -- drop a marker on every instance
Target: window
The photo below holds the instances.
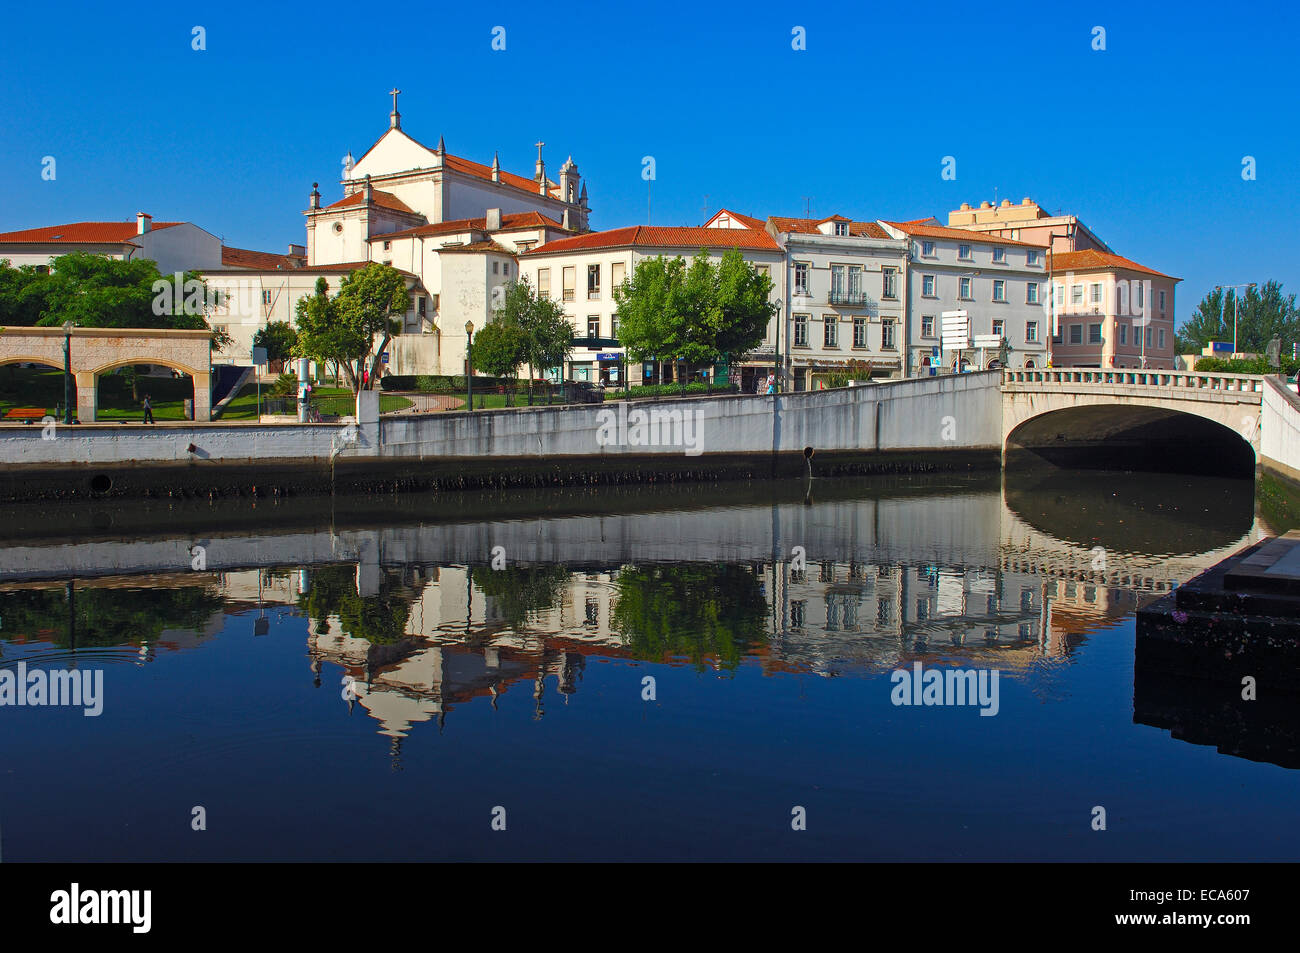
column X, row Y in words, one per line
column 927, row 249
column 505, row 268
column 999, row 255
column 855, row 282
column 999, row 290
column 841, row 228
column 617, row 274
column 963, row 252
column 1059, row 289
column 837, row 281
column 1141, row 296
column 1031, row 292
column 1094, row 293
column 1123, row 334
column 593, row 325
column 1162, row 302
column 1076, row 294
column 801, row 330
column 417, row 304
column 887, row 334
column 613, row 326
column 1031, row 257
column 801, row 278
column 495, row 267
column 266, row 297
column 1031, row 332
column 965, row 289
column 570, row 279
column 830, row 330
column 889, row 282
column 1076, row 334
column 387, row 245
column 1148, row 337
column 927, row 286
column 1094, row 334
column 593, row 282
column 543, row 282
column 1162, row 339
column 859, row 332
column 927, row 325
column 999, row 328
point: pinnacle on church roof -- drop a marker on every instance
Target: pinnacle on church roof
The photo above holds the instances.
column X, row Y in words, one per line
column 442, row 147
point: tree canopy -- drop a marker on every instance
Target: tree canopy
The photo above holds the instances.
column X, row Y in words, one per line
column 279, row 338
column 100, row 292
column 545, row 333
column 343, row 328
column 1262, row 312
column 701, row 313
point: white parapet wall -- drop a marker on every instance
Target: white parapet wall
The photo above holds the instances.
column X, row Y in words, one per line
column 1279, row 425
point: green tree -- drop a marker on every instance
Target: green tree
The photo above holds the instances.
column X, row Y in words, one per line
column 279, row 338
column 701, row 313
column 1262, row 312
column 322, row 336
column 547, row 334
column 519, row 591
column 100, row 292
column 371, row 300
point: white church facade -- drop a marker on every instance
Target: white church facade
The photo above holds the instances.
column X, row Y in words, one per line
column 453, row 226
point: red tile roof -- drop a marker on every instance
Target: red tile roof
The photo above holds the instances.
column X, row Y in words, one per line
column 919, row 228
column 380, row 198
column 657, row 236
column 94, row 233
column 475, row 247
column 1093, row 260
column 747, row 220
column 259, row 260
column 509, row 222
column 808, row 226
column 457, row 164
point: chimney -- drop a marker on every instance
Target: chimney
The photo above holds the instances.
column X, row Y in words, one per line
column 298, row 250
column 368, row 192
column 143, row 222
column 493, row 220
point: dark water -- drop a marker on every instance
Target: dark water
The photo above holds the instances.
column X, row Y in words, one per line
column 768, row 620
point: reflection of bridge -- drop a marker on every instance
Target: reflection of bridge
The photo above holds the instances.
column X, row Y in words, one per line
column 1139, row 402
column 96, row 350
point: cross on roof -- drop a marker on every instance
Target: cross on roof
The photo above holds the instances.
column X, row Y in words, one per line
column 394, row 92
column 539, row 145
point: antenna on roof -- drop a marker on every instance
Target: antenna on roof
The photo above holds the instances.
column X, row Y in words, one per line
column 704, row 209
column 807, row 206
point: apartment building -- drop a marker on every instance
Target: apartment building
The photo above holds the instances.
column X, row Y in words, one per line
column 1111, row 312
column 582, row 272
column 1000, row 282
column 844, row 298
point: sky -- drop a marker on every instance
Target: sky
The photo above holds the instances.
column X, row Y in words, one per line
column 1144, row 140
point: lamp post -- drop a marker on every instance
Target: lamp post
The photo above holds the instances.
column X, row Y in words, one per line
column 469, row 364
column 68, row 398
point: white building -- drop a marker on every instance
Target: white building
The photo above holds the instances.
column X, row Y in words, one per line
column 582, row 271
column 174, row 246
column 1001, row 283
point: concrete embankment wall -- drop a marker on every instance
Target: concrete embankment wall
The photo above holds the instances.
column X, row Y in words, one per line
column 1279, row 425
column 928, row 423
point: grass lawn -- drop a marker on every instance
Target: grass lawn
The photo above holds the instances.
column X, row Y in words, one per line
column 43, row 387
column 329, row 400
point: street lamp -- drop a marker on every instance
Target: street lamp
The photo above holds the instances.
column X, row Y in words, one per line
column 67, row 370
column 469, row 363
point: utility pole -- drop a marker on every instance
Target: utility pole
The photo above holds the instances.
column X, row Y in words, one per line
column 1223, row 301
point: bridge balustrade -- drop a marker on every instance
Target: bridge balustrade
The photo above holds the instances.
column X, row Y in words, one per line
column 1021, row 379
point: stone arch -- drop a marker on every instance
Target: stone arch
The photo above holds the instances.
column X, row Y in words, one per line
column 88, row 383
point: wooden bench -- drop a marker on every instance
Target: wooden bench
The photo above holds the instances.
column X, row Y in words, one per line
column 26, row 414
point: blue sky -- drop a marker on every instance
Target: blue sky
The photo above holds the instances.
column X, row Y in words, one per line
column 1144, row 140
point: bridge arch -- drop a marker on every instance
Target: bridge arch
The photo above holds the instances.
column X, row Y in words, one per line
column 1144, row 420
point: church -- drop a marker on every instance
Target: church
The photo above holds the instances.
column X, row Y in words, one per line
column 453, row 226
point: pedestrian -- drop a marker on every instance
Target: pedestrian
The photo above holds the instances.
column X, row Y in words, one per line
column 148, row 410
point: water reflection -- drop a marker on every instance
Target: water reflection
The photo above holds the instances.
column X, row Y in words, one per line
column 864, row 580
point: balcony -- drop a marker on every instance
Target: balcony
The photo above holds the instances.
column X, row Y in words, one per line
column 848, row 299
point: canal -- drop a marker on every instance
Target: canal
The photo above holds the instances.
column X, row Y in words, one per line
column 731, row 671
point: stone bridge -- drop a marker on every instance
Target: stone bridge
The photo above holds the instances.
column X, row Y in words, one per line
column 1140, row 413
column 96, row 350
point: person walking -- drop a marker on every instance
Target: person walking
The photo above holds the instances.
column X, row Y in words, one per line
column 148, row 410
